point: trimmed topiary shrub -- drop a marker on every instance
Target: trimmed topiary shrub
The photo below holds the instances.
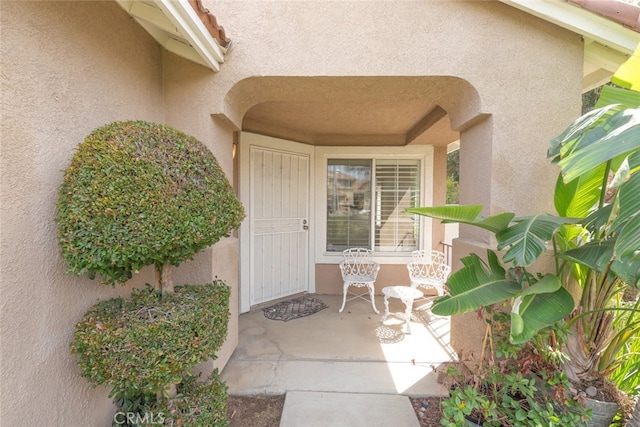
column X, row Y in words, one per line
column 139, row 346
column 198, row 404
column 138, row 194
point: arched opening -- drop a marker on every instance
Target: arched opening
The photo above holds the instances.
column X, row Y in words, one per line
column 386, row 115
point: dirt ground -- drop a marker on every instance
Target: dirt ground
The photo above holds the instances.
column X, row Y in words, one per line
column 265, row 411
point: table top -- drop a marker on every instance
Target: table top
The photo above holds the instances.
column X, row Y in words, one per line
column 401, row 291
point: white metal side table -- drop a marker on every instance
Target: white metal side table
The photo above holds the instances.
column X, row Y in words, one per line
column 406, row 294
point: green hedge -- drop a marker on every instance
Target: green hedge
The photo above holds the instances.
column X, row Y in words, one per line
column 138, row 194
column 139, row 346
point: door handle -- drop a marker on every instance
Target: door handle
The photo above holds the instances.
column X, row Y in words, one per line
column 304, row 224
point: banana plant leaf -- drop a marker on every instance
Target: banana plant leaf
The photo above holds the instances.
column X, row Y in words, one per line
column 628, row 204
column 465, row 214
column 548, row 284
column 476, row 285
column 617, row 135
column 598, row 219
column 628, row 270
column 571, row 135
column 527, row 238
column 595, row 255
column 578, row 197
column 627, row 252
column 538, row 311
column 628, row 75
column 614, row 95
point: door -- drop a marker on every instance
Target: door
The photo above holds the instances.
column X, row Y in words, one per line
column 275, row 241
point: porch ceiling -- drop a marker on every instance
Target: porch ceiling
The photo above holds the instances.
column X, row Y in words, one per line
column 350, row 120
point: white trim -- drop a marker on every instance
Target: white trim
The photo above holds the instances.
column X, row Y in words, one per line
column 422, row 152
column 184, row 17
column 176, row 26
column 581, row 21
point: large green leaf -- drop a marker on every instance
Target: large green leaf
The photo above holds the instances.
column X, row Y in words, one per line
column 628, row 241
column 628, row 270
column 613, row 95
column 618, row 135
column 527, row 238
column 548, row 284
column 476, row 285
column 598, row 219
column 571, row 135
column 628, row 74
column 578, row 197
column 595, row 255
column 465, row 214
column 627, row 252
column 540, row 310
column 628, row 203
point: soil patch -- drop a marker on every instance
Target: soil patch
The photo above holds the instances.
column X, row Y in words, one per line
column 265, row 410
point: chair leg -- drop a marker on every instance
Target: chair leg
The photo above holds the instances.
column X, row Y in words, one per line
column 373, row 301
column 345, row 289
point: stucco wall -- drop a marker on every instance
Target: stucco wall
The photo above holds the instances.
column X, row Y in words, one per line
column 526, row 73
column 66, row 68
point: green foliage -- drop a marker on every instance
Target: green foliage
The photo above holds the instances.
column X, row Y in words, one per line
column 197, row 403
column 595, row 237
column 139, row 346
column 138, row 194
column 521, row 388
column 626, row 375
column 453, row 177
column 453, row 165
column 453, row 190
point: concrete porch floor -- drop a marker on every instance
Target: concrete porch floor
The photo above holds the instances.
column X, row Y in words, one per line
column 330, row 358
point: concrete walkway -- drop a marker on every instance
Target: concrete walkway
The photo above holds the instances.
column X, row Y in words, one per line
column 346, row 360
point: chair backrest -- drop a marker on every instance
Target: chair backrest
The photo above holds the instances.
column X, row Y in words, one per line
column 357, row 270
column 428, row 268
column 359, row 262
column 429, row 257
column 358, row 254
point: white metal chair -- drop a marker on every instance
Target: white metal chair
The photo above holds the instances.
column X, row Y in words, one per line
column 429, row 270
column 359, row 270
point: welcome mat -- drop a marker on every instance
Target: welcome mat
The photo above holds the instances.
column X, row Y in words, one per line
column 294, row 308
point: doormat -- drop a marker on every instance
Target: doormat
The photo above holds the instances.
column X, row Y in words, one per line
column 294, row 308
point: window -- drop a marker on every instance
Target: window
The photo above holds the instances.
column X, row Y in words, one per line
column 365, row 203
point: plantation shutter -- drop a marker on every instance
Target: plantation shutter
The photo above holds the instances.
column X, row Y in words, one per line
column 397, row 187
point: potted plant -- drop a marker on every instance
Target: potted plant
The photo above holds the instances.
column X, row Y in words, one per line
column 594, row 240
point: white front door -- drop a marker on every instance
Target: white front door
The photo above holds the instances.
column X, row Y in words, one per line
column 275, row 239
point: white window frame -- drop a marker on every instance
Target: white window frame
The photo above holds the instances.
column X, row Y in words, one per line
column 424, row 153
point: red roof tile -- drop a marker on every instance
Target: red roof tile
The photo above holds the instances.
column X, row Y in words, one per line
column 623, row 13
column 210, row 22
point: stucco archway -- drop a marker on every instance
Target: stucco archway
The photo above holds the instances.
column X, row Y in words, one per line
column 374, row 112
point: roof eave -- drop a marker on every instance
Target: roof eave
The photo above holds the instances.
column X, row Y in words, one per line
column 581, row 21
column 176, row 26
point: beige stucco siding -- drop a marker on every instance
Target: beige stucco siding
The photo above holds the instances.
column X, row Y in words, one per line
column 527, row 73
column 66, row 69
